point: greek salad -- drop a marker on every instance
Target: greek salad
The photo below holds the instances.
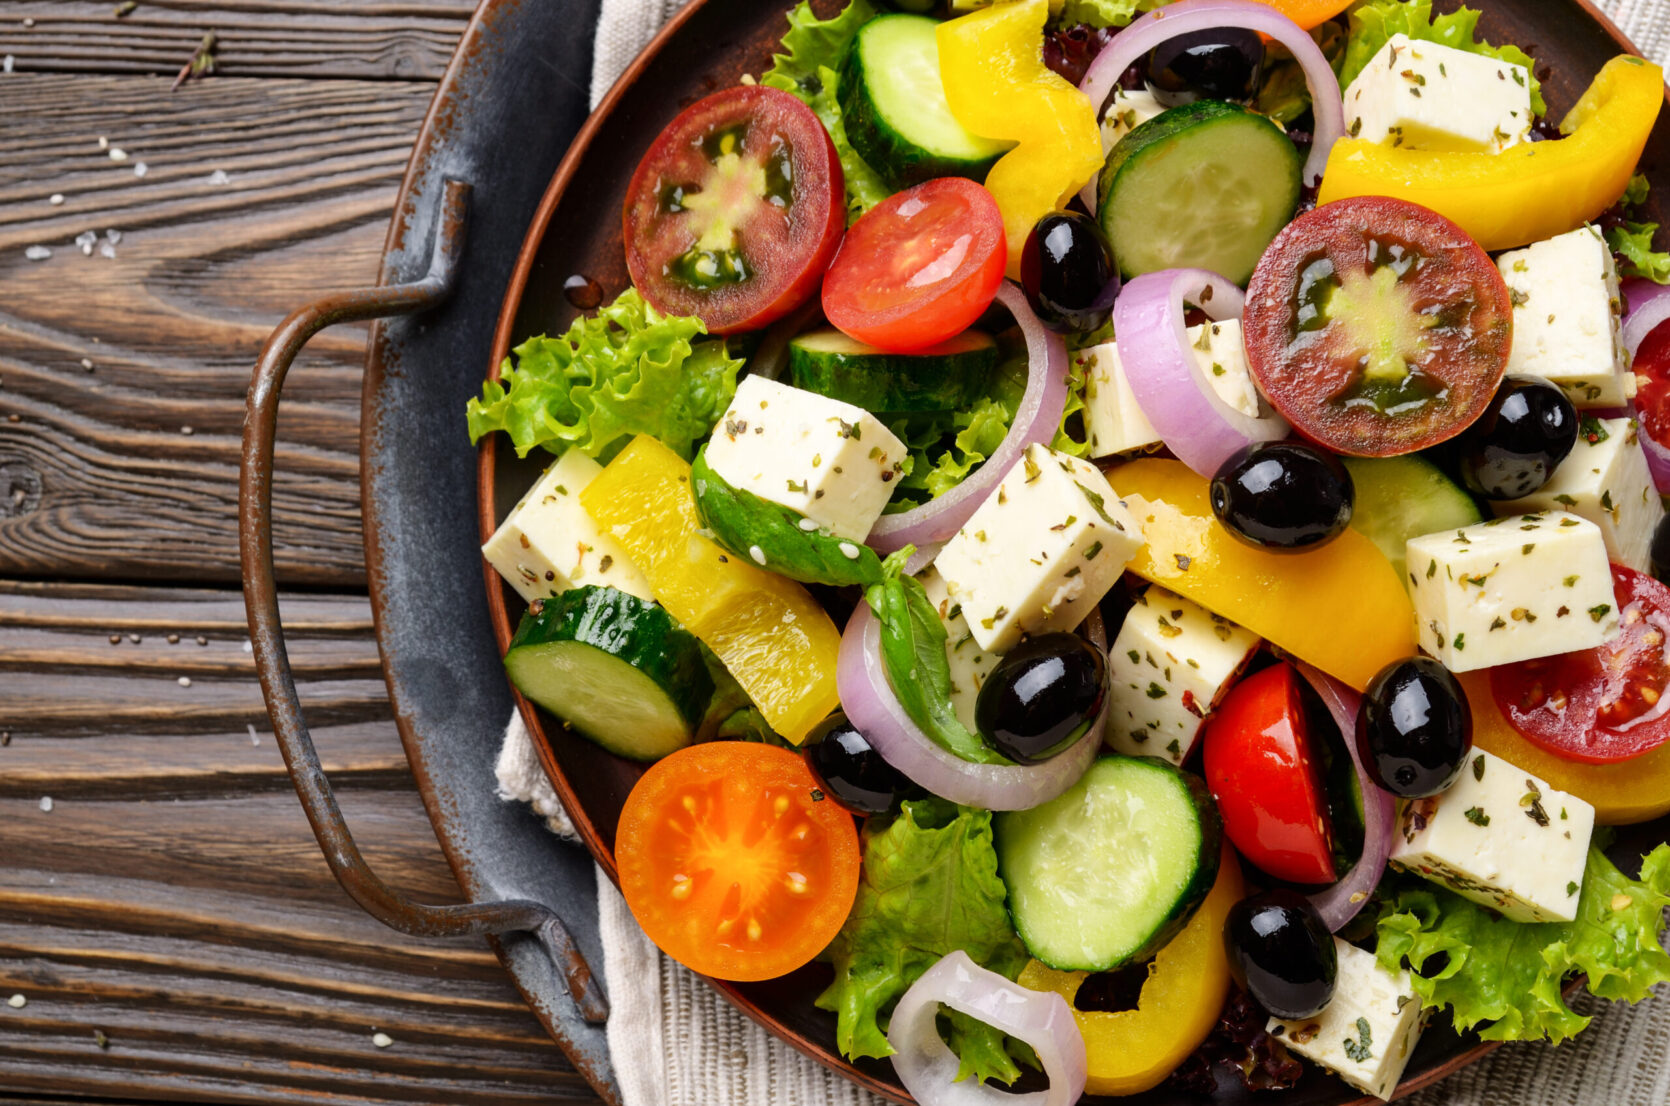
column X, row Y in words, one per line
column 1128, row 536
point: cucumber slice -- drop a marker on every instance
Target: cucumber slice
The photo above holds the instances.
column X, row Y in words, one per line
column 894, row 110
column 620, row 671
column 1399, row 498
column 1206, row 185
column 1113, row 868
column 946, row 377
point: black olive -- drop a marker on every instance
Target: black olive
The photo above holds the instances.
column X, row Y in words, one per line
column 850, row 771
column 1280, row 951
column 1512, row 449
column 1658, row 557
column 1220, row 64
column 1068, row 274
column 1041, row 697
column 1287, row 497
column 1414, row 728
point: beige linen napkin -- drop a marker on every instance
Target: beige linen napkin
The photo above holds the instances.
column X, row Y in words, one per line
column 675, row 1042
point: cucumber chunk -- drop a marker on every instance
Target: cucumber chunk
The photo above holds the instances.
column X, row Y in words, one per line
column 894, row 110
column 1113, row 868
column 618, row 670
column 1206, row 185
column 1399, row 498
column 946, row 377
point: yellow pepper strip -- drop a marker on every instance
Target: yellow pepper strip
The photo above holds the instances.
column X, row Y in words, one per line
column 992, row 66
column 1341, row 608
column 768, row 630
column 1530, row 191
column 1131, row 1051
column 1634, row 790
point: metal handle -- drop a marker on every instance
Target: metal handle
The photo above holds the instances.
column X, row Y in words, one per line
column 272, row 661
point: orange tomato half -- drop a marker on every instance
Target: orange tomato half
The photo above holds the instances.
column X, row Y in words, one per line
column 733, row 862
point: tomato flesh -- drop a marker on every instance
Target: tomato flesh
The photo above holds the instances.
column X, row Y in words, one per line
column 735, row 211
column 734, row 862
column 1652, row 373
column 1377, row 327
column 1261, row 769
column 918, row 268
column 1604, row 704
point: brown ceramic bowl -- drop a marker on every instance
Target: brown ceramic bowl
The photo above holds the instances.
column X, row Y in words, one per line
column 709, row 45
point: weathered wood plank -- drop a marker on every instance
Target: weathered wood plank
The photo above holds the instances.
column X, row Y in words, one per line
column 412, row 40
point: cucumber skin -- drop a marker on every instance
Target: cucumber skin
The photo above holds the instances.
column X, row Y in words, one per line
column 872, row 380
column 1194, row 892
column 613, row 622
column 900, row 161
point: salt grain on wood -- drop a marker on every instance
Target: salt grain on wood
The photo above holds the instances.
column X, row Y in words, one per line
column 37, row 253
column 17, row 1002
column 46, row 804
column 381, row 1040
column 184, row 681
column 56, row 199
column 118, row 154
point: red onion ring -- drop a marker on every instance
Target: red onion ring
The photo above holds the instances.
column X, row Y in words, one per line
column 1341, row 902
column 1646, row 307
column 1194, row 421
column 930, row 525
column 928, row 1069
column 1186, row 16
column 870, row 705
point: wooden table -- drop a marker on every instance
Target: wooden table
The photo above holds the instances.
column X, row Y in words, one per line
column 164, row 910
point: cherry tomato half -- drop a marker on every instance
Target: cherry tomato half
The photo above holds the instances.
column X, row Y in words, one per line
column 733, row 862
column 1603, row 704
column 735, row 210
column 1261, row 770
column 1377, row 327
column 919, row 267
column 1652, row 373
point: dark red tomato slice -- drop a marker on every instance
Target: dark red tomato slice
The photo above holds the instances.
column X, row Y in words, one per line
column 1260, row 768
column 735, row 210
column 1377, row 327
column 919, row 267
column 1652, row 374
column 1604, row 704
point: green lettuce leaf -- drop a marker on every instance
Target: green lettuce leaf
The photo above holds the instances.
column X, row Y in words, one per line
column 808, row 69
column 1073, row 435
column 929, row 887
column 626, row 370
column 1376, row 21
column 1506, row 976
column 1633, row 243
column 1105, row 13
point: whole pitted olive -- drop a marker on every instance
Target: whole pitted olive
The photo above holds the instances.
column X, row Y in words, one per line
column 1414, row 728
column 1041, row 697
column 1286, row 497
column 1280, row 951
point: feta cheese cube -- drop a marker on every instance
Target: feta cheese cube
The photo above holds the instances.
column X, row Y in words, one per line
column 1040, row 551
column 1167, row 668
column 1114, row 419
column 1432, row 97
column 1511, row 589
column 1366, row 1034
column 1501, row 837
column 1128, row 110
column 548, row 543
column 1605, row 479
column 970, row 664
column 1566, row 317
column 831, row 461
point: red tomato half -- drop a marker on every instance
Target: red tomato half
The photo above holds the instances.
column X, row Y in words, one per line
column 1377, row 327
column 735, row 210
column 1652, row 371
column 1261, row 770
column 919, row 267
column 1604, row 704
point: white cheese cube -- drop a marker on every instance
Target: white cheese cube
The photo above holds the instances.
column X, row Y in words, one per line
column 1114, row 419
column 1128, row 110
column 1566, row 317
column 1605, row 479
column 1511, row 589
column 1431, row 97
column 831, row 461
column 1501, row 837
column 548, row 543
column 1366, row 1034
column 1040, row 551
column 970, row 664
column 1167, row 668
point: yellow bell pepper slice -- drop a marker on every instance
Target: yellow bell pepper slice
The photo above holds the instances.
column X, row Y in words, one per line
column 1528, row 192
column 992, row 66
column 1133, row 1050
column 770, row 633
column 1634, row 790
column 1341, row 608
